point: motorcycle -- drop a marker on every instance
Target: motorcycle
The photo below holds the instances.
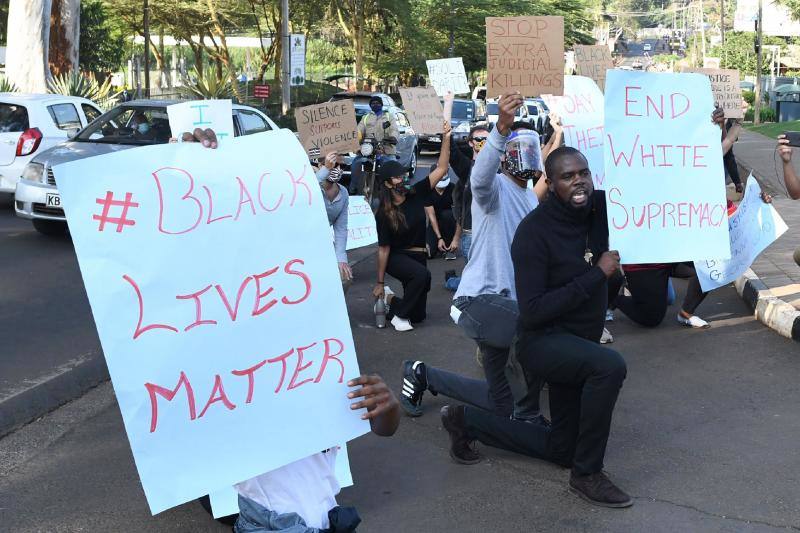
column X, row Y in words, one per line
column 371, row 152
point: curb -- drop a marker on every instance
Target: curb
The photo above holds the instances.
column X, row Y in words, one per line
column 768, row 308
column 66, row 383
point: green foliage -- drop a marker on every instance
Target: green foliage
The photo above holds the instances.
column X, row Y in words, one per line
column 206, row 86
column 739, row 52
column 7, row 86
column 772, row 130
column 76, row 84
column 749, row 97
column 767, row 114
column 3, row 22
column 101, row 46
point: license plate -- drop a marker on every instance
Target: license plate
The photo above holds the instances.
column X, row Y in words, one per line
column 53, row 200
column 435, row 139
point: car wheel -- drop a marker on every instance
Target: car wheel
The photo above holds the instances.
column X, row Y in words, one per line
column 52, row 228
column 413, row 165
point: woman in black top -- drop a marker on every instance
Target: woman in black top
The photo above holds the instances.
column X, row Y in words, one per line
column 400, row 222
column 443, row 231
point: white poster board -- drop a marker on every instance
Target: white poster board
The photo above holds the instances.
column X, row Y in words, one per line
column 219, row 307
column 204, row 114
column 361, row 229
column 665, row 186
column 754, row 226
column 447, row 75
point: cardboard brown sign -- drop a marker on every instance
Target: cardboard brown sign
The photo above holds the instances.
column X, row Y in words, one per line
column 592, row 61
column 328, row 127
column 423, row 108
column 524, row 54
column 725, row 86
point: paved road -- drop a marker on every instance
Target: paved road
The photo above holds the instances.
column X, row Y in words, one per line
column 705, row 437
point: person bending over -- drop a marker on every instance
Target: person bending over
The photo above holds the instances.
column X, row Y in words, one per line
column 400, row 223
column 561, row 265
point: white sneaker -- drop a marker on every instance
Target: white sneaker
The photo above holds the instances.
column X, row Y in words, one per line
column 693, row 321
column 401, row 324
column 606, row 338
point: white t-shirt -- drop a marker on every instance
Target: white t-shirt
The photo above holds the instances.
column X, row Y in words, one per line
column 307, row 487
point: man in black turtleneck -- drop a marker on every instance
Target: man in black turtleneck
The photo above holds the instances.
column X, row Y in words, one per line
column 561, row 267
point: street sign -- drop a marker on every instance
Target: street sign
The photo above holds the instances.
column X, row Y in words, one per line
column 261, row 91
column 298, row 59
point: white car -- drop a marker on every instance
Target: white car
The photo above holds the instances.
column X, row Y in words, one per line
column 32, row 123
column 648, row 47
column 37, row 197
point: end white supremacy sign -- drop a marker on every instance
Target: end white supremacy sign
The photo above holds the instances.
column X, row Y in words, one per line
column 214, row 286
column 665, row 183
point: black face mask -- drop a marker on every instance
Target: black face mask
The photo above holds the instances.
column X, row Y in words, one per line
column 376, row 107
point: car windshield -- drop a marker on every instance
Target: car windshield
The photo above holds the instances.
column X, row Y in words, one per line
column 463, row 110
column 13, row 118
column 532, row 109
column 129, row 125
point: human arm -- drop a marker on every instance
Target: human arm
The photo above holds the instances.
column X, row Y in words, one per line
column 431, row 213
column 440, row 172
column 455, row 244
column 362, row 128
column 540, row 188
column 383, row 409
column 483, row 183
column 383, row 260
column 340, row 237
column 538, row 304
column 789, row 175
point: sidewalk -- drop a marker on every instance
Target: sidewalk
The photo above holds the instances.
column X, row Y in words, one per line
column 772, row 286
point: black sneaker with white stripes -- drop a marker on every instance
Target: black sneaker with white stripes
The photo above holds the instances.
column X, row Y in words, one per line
column 414, row 385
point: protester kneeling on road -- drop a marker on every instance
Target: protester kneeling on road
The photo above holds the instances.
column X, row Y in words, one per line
column 400, row 223
column 443, row 232
column 561, row 266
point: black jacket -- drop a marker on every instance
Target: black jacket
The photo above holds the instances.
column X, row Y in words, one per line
column 462, row 194
column 556, row 289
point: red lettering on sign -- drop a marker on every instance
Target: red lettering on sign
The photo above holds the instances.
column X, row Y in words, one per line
column 198, row 321
column 139, row 329
column 217, row 395
column 169, row 394
column 187, row 196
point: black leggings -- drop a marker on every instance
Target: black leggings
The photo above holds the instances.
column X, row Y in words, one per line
column 647, row 303
column 412, row 271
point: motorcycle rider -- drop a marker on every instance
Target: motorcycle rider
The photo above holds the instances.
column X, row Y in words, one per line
column 379, row 124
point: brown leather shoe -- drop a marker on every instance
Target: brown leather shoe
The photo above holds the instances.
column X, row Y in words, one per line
column 597, row 489
column 461, row 448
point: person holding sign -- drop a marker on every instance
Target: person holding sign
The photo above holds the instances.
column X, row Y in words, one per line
column 401, row 227
column 485, row 305
column 561, row 265
column 789, row 175
column 336, row 203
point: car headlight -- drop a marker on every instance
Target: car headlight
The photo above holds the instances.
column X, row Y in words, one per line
column 366, row 149
column 33, row 172
column 463, row 127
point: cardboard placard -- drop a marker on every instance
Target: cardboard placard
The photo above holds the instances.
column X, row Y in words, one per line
column 665, row 183
column 424, row 109
column 592, row 61
column 524, row 54
column 447, row 75
column 328, row 127
column 725, row 86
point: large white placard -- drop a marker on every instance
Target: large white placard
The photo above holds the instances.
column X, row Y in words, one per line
column 753, row 227
column 665, row 184
column 219, row 307
column 204, row 114
column 447, row 75
column 360, row 224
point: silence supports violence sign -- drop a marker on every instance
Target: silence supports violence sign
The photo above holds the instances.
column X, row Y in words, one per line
column 213, row 283
column 328, row 127
column 665, row 181
column 524, row 54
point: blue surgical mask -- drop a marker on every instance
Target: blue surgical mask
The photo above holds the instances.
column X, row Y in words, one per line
column 376, row 107
column 143, row 128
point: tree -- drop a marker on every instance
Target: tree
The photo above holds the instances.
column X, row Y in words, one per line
column 65, row 23
column 101, row 46
column 739, row 52
column 27, row 49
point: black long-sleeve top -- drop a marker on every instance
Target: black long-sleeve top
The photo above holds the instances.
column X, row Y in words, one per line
column 462, row 194
column 556, row 288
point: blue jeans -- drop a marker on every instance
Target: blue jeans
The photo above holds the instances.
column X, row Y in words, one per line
column 491, row 321
column 255, row 518
column 466, row 243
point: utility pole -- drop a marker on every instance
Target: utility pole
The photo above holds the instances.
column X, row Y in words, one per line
column 722, row 21
column 759, row 59
column 286, row 68
column 146, row 24
column 703, row 34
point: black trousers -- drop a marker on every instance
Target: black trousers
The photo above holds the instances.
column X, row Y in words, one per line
column 447, row 227
column 647, row 303
column 729, row 161
column 584, row 379
column 411, row 269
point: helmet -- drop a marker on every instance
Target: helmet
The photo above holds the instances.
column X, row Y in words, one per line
column 523, row 155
